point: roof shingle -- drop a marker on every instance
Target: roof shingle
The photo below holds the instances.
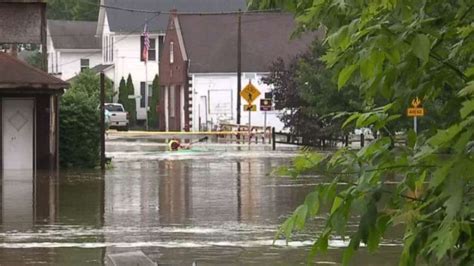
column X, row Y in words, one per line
column 19, row 75
column 211, row 41
column 126, row 21
column 74, row 34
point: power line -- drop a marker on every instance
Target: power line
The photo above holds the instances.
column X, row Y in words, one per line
column 193, row 13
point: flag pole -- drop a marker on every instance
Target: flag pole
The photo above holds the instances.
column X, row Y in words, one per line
column 146, row 47
column 146, row 94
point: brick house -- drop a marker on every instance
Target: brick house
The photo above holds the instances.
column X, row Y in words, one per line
column 199, row 65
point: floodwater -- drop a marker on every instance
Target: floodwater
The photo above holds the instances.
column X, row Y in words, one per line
column 218, row 206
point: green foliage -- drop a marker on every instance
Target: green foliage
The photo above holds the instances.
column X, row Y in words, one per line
column 123, row 93
column 73, row 9
column 395, row 51
column 152, row 114
column 305, row 88
column 79, row 131
column 89, row 83
column 79, row 124
column 131, row 106
column 36, row 59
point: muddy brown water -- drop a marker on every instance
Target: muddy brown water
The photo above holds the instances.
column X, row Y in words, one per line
column 218, row 205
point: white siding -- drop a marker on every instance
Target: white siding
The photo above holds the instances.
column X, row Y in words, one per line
column 70, row 62
column 127, row 61
column 220, row 94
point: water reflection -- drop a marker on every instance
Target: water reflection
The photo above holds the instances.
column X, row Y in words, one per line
column 218, row 207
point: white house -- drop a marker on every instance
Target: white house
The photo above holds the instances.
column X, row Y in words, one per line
column 120, row 27
column 72, row 47
column 199, row 66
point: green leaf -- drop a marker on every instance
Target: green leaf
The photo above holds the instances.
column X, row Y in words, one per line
column 420, row 46
column 300, row 216
column 350, row 119
column 287, row 227
column 335, row 205
column 444, row 136
column 467, row 108
column 468, row 90
column 345, row 75
column 374, row 239
column 393, row 55
column 349, row 251
column 366, row 120
column 469, row 72
column 312, row 201
column 411, row 138
column 455, row 192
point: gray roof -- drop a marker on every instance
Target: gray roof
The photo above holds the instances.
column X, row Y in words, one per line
column 126, row 21
column 211, row 41
column 74, row 34
column 100, row 68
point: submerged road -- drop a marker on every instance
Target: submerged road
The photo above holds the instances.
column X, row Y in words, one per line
column 216, row 205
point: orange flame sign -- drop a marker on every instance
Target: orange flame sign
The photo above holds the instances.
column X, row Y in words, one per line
column 415, row 102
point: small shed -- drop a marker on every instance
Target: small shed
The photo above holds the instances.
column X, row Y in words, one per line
column 29, row 101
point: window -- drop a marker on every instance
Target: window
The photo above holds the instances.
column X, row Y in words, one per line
column 111, row 48
column 142, row 93
column 172, row 102
column 151, row 51
column 114, row 108
column 104, row 51
column 161, row 40
column 84, row 64
column 171, row 52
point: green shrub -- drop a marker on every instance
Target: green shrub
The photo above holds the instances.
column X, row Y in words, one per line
column 123, row 94
column 131, row 107
column 153, row 102
column 79, row 127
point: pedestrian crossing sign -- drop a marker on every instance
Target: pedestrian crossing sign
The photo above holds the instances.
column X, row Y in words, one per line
column 250, row 93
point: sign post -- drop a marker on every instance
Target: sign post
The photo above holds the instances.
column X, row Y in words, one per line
column 265, row 105
column 250, row 93
column 415, row 111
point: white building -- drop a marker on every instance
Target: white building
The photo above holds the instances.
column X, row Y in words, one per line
column 72, row 46
column 199, row 66
column 120, row 27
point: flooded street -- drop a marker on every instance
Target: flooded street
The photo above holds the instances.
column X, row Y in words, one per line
column 216, row 205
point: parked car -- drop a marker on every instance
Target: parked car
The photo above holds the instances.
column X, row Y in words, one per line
column 118, row 116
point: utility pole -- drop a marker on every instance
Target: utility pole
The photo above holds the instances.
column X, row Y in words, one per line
column 44, row 47
column 239, row 64
column 102, row 121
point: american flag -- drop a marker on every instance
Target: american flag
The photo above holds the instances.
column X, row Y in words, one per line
column 146, row 43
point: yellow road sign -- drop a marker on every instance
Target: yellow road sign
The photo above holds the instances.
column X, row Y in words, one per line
column 415, row 102
column 250, row 93
column 416, row 110
column 250, row 107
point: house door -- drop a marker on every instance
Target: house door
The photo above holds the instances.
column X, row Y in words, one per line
column 17, row 127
